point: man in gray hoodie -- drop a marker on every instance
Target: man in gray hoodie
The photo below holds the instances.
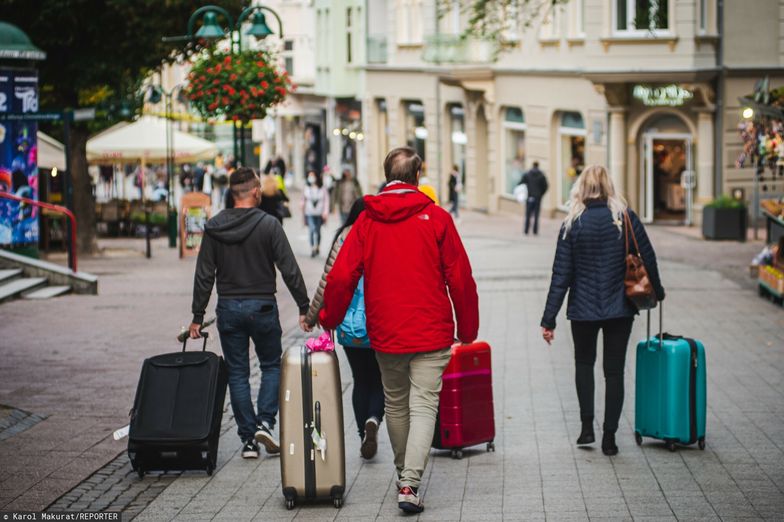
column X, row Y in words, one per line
column 241, row 247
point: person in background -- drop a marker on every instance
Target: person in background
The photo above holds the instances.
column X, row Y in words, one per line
column 589, row 264
column 198, row 177
column 427, row 188
column 347, row 191
column 329, row 180
column 241, row 248
column 537, row 185
column 454, row 191
column 413, row 263
column 272, row 198
column 315, row 209
column 186, row 178
column 368, row 394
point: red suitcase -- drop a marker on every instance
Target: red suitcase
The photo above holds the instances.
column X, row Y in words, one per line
column 465, row 411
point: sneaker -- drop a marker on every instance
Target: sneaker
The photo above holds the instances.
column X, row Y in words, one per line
column 370, row 440
column 408, row 500
column 265, row 437
column 250, row 450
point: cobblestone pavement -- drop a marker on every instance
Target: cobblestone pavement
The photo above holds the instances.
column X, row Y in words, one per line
column 537, row 473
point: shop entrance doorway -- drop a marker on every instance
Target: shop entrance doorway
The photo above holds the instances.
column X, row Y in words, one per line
column 668, row 178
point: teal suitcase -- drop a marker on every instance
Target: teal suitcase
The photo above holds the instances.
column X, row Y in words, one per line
column 670, row 389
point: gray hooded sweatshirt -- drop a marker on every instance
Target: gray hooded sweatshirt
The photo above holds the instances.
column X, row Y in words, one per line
column 242, row 247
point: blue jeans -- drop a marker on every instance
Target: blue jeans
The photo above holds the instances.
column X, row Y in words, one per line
column 240, row 320
column 314, row 227
column 532, row 207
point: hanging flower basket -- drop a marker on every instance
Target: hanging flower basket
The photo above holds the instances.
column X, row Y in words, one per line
column 239, row 87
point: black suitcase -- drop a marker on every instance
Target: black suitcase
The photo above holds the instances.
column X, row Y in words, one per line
column 176, row 416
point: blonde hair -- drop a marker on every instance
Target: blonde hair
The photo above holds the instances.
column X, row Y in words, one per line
column 594, row 183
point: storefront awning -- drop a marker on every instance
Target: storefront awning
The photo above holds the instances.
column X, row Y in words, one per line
column 51, row 153
column 145, row 139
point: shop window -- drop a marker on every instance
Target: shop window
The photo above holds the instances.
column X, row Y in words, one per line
column 459, row 139
column 514, row 147
column 416, row 132
column 641, row 16
column 571, row 153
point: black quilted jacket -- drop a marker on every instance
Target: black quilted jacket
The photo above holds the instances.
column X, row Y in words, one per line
column 590, row 264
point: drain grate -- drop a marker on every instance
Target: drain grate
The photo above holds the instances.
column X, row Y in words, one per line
column 14, row 421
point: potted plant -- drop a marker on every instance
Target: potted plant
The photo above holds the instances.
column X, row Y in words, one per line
column 724, row 218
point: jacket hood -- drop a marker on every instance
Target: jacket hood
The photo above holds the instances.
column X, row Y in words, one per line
column 396, row 203
column 234, row 225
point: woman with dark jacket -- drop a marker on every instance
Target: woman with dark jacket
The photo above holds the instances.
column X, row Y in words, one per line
column 590, row 265
column 368, row 394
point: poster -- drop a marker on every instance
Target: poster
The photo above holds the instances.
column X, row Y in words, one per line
column 18, row 157
column 193, row 218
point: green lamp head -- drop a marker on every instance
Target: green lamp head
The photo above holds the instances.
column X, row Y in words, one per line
column 259, row 29
column 210, row 29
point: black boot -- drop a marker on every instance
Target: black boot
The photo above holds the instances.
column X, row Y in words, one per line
column 586, row 435
column 608, row 444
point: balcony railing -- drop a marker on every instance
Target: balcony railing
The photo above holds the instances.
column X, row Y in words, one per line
column 455, row 50
column 376, row 49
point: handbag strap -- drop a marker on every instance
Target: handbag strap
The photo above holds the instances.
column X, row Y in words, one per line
column 630, row 230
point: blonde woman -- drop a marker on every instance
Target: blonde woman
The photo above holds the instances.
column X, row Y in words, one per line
column 590, row 265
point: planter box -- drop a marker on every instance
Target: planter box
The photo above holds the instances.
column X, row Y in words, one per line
column 724, row 223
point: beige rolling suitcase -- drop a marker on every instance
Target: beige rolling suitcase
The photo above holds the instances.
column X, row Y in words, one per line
column 312, row 462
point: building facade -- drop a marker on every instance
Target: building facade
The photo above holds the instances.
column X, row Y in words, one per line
column 640, row 86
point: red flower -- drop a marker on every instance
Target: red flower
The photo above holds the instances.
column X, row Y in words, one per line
column 227, row 59
column 218, row 68
column 260, row 63
column 235, row 117
column 202, row 78
column 212, row 106
column 233, row 77
column 226, row 87
column 264, row 84
column 225, row 100
column 215, row 81
column 260, row 75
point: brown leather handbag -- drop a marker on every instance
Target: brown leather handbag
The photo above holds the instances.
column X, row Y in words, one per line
column 639, row 289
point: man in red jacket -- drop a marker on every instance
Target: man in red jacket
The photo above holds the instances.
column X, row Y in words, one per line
column 413, row 262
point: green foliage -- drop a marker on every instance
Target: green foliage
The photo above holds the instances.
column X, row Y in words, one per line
column 489, row 19
column 237, row 86
column 726, row 202
column 99, row 51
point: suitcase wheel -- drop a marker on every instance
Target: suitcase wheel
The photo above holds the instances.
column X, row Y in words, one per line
column 701, row 443
column 337, row 502
column 140, row 472
column 210, row 469
column 289, row 503
column 638, row 438
column 491, row 446
column 671, row 446
column 457, row 454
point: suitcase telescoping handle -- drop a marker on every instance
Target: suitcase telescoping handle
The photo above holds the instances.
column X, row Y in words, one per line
column 203, row 347
column 661, row 324
column 317, row 408
column 183, row 336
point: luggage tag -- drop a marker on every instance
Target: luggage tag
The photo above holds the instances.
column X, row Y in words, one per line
column 319, row 443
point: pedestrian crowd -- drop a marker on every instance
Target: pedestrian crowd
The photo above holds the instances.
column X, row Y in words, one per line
column 398, row 289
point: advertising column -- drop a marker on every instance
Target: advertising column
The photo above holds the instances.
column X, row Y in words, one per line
column 18, row 157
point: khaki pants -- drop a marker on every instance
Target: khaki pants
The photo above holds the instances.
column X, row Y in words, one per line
column 412, row 383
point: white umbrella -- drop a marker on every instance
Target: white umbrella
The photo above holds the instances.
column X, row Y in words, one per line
column 145, row 139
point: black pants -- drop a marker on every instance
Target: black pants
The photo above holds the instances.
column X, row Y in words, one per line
column 532, row 207
column 368, row 394
column 616, row 334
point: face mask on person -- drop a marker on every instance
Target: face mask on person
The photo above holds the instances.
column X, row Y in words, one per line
column 311, row 180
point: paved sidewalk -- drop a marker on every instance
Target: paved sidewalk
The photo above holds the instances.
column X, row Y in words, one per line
column 536, row 473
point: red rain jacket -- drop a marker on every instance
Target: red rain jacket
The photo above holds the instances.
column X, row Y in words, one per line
column 413, row 261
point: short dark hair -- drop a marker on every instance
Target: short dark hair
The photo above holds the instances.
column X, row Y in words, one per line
column 536, row 164
column 242, row 181
column 402, row 164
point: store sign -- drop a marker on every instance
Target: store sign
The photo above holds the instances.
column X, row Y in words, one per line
column 662, row 96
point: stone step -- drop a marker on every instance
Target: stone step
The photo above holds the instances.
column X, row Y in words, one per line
column 47, row 292
column 10, row 274
column 18, row 286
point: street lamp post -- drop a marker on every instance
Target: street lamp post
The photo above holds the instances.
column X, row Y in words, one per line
column 211, row 30
column 158, row 92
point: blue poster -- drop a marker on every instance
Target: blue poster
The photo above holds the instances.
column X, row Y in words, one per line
column 18, row 157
